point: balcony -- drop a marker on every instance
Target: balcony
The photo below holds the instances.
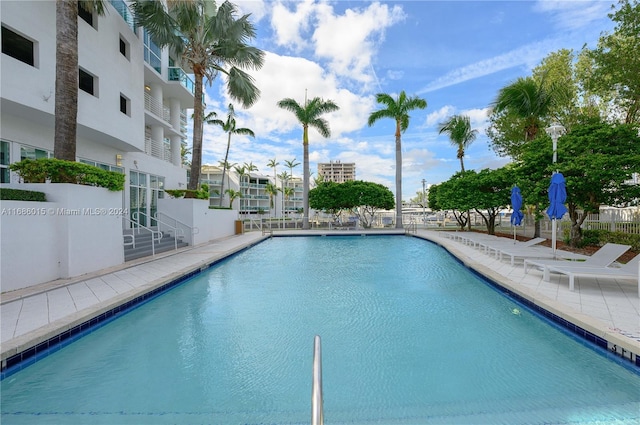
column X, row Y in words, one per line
column 177, row 74
column 125, row 12
column 157, row 108
column 156, row 149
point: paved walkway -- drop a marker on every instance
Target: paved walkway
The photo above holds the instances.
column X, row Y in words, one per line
column 609, row 309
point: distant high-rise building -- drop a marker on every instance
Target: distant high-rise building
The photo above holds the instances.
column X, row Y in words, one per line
column 336, row 171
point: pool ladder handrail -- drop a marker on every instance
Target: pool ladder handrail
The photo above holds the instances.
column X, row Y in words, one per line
column 317, row 414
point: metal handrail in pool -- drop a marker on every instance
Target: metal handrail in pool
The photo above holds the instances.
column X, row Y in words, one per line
column 317, row 416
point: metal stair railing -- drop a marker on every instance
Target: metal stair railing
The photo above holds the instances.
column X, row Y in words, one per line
column 176, row 232
column 178, row 225
column 317, row 410
column 135, row 228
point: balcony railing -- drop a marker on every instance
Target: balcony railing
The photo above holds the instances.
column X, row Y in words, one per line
column 156, row 149
column 125, row 12
column 177, row 74
column 154, row 106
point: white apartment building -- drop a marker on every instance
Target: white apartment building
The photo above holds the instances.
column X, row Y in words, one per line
column 252, row 186
column 132, row 101
column 336, row 171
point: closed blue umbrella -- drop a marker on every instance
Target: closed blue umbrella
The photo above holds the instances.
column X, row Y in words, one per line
column 516, row 204
column 557, row 198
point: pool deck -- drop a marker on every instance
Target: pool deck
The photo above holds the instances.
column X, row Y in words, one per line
column 609, row 309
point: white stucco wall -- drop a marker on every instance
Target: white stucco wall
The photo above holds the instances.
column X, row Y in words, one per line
column 78, row 231
column 210, row 224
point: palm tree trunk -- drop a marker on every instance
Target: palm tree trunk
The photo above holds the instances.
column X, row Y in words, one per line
column 196, row 150
column 224, row 169
column 398, row 179
column 305, row 178
column 66, row 101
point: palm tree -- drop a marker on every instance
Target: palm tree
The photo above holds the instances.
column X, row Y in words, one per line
column 242, row 171
column 233, row 194
column 398, row 109
column 458, row 127
column 67, row 74
column 528, row 100
column 272, row 190
column 291, row 165
column 229, row 127
column 206, row 40
column 273, row 164
column 309, row 115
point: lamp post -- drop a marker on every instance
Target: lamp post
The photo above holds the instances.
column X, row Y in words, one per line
column 424, row 200
column 554, row 131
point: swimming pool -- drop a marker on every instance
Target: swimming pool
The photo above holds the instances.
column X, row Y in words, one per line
column 409, row 336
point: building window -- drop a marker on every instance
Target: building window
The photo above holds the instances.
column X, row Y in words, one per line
column 124, row 47
column 85, row 14
column 18, row 47
column 29, row 152
column 125, row 105
column 5, row 159
column 102, row 165
column 87, row 82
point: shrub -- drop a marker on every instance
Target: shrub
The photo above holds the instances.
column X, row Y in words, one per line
column 61, row 171
column 7, row 194
column 175, row 193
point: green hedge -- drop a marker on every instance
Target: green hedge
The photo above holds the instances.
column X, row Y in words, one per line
column 7, row 194
column 60, row 171
column 601, row 237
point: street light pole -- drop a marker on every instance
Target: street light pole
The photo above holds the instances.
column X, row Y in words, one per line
column 554, row 131
column 424, row 202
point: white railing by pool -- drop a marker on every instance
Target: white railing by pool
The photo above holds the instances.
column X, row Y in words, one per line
column 317, row 414
column 156, row 235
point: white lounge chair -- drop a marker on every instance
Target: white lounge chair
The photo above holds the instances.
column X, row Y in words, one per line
column 603, row 257
column 505, row 244
column 631, row 270
column 538, row 253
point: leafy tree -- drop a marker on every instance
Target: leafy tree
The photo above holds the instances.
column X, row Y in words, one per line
column 229, row 127
column 454, row 195
column 598, row 161
column 209, row 41
column 397, row 109
column 362, row 198
column 491, row 193
column 366, row 198
column 309, row 115
column 327, row 197
column 612, row 68
column 66, row 85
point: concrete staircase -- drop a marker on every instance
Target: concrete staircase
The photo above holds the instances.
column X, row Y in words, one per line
column 143, row 240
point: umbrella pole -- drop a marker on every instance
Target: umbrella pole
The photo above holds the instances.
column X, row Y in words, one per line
column 553, row 237
column 514, row 234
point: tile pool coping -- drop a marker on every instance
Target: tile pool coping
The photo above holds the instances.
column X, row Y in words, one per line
column 585, row 328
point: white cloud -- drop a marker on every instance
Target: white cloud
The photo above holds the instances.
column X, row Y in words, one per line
column 256, row 8
column 573, row 15
column 350, row 40
column 436, row 117
column 289, row 27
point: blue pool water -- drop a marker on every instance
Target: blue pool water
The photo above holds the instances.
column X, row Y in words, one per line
column 409, row 337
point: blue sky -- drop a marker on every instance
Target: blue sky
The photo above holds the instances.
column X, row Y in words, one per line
column 454, row 54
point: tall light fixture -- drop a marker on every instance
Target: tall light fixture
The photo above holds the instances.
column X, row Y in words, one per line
column 554, row 131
